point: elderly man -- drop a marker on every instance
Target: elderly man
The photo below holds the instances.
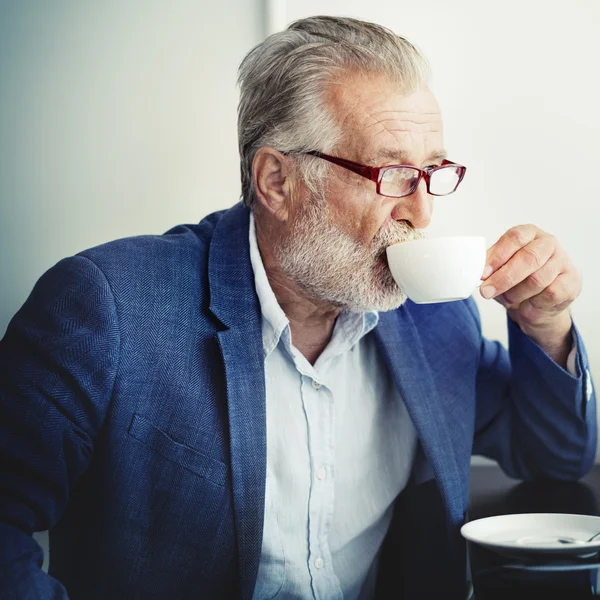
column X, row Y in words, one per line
column 249, row 407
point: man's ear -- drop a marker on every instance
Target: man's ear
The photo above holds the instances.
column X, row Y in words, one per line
column 274, row 182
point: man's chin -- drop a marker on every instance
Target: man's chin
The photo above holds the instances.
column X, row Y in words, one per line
column 395, row 304
column 386, row 304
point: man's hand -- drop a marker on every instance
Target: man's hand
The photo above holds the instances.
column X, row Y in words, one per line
column 534, row 279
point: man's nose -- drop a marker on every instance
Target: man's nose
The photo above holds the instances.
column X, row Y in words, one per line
column 416, row 208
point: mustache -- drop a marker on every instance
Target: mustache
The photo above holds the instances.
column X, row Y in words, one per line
column 392, row 232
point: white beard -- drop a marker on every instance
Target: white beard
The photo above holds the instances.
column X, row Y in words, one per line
column 333, row 267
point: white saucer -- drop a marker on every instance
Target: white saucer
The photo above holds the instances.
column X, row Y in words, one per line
column 535, row 533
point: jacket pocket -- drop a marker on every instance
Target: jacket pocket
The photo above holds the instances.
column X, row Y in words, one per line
column 185, row 456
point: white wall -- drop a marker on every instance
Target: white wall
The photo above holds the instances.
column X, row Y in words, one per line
column 518, row 83
column 117, row 118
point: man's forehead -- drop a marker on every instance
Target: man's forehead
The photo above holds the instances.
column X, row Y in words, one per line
column 376, row 98
column 381, row 123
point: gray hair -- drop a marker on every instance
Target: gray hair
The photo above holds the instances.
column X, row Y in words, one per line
column 283, row 79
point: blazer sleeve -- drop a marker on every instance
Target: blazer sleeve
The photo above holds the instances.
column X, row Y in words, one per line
column 533, row 417
column 58, row 362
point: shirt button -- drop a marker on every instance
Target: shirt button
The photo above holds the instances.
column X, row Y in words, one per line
column 321, row 473
column 316, row 384
column 319, row 562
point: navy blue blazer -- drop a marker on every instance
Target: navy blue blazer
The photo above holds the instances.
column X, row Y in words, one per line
column 132, row 424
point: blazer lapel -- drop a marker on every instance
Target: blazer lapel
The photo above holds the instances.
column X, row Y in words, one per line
column 234, row 302
column 248, row 448
column 403, row 353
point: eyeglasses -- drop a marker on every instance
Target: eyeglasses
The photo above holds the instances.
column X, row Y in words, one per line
column 397, row 181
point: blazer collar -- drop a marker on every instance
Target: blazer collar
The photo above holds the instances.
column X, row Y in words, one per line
column 233, row 298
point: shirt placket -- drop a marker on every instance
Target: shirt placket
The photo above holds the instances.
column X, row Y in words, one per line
column 320, row 414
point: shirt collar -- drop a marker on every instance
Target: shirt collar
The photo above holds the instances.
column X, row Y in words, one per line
column 350, row 327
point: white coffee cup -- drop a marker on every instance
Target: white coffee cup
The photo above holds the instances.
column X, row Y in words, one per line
column 440, row 269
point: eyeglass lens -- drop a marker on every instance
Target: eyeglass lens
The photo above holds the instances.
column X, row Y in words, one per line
column 402, row 181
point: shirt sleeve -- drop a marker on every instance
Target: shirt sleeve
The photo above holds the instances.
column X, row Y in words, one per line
column 572, row 359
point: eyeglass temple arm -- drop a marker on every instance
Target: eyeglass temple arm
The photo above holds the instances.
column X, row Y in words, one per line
column 371, row 173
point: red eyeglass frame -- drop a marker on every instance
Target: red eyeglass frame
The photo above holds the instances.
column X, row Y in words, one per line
column 375, row 174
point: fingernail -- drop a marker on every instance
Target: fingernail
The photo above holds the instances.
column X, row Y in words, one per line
column 487, row 272
column 488, row 291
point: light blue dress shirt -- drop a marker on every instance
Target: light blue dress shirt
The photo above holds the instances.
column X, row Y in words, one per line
column 340, row 447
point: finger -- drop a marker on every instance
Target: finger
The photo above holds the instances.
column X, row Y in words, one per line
column 536, row 283
column 508, row 245
column 523, row 263
column 558, row 295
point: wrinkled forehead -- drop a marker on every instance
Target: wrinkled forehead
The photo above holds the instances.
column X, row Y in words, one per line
column 380, row 122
